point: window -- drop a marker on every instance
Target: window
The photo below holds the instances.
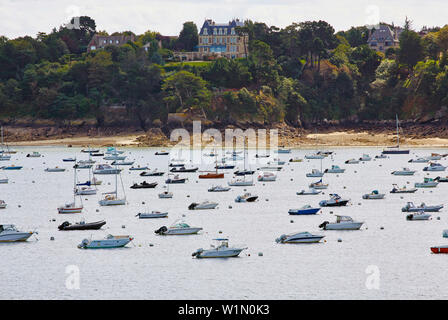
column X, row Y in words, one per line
column 205, row 31
column 220, row 31
column 214, row 40
column 92, row 48
column 105, row 41
column 117, row 41
column 225, row 31
column 232, row 31
column 215, row 31
column 110, row 41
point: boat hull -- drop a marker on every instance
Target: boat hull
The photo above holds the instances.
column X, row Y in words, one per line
column 15, row 237
column 304, row 211
column 343, row 226
column 230, row 253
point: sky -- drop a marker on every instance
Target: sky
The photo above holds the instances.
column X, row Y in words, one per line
column 28, row 17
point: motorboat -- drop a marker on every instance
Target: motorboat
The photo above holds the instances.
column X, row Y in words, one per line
column 334, row 169
column 300, row 237
column 244, row 172
column 138, row 168
column 175, row 179
column 403, row 172
column 305, row 210
column 12, row 167
column 9, row 233
column 166, row 195
column 96, row 154
column 85, row 191
column 82, row 225
column 34, row 154
column 436, row 156
column 3, row 204
column 342, row 223
column 153, row 173
column 89, row 150
column 433, row 166
column 106, row 169
column 315, row 173
column 283, row 150
column 179, row 163
column 162, row 153
column 247, row 197
column 365, row 157
column 419, row 160
column 441, row 179
column 396, row 189
column 334, row 201
column 352, row 161
column 108, row 242
column 310, row 191
column 225, row 166
column 114, row 157
column 179, row 227
column 152, row 215
column 314, row 156
column 267, row 176
column 90, row 161
column 271, row 168
column 222, row 250
column 4, row 180
column 4, row 157
column 55, row 169
column 218, row 189
column 381, row 156
column 69, row 160
column 324, row 153
column 203, row 205
column 261, row 155
column 123, row 163
column 374, row 195
column 183, row 169
column 113, row 151
column 240, row 183
column 82, row 166
column 416, row 216
column 144, row 185
column 411, row 207
column 427, row 183
column 296, row 159
column 318, row 185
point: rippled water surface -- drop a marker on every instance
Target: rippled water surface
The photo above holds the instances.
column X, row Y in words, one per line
column 166, row 270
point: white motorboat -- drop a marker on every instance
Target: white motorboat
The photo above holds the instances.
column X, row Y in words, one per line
column 4, row 180
column 3, row 204
column 166, row 195
column 55, row 169
column 433, row 166
column 436, row 156
column 222, row 250
column 315, row 173
column 267, row 176
column 300, row 237
column 352, row 161
column 271, row 168
column 218, row 189
column 334, row 169
column 89, row 161
column 396, row 189
column 109, row 242
column 374, row 195
column 240, row 183
column 419, row 160
column 106, row 169
column 179, row 227
column 315, row 156
column 421, row 215
column 411, row 207
column 34, row 154
column 365, row 157
column 203, row 205
column 310, row 191
column 152, row 215
column 427, row 183
column 318, row 185
column 122, row 163
column 283, row 150
column 9, row 233
column 247, row 197
column 342, row 223
column 114, row 157
column 404, row 172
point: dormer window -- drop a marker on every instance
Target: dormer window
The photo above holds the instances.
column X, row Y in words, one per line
column 205, row 31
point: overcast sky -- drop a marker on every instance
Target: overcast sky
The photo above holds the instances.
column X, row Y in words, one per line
column 28, row 17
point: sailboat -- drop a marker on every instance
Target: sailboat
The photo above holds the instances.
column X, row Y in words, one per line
column 72, row 207
column 242, row 182
column 85, row 189
column 396, row 149
column 213, row 175
column 111, row 198
column 3, row 152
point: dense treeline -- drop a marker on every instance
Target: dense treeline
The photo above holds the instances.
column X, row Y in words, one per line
column 302, row 73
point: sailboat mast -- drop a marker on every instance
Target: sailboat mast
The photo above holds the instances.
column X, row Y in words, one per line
column 398, row 134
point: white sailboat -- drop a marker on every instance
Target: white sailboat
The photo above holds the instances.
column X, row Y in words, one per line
column 396, row 149
column 5, row 149
column 111, row 198
column 72, row 207
column 242, row 182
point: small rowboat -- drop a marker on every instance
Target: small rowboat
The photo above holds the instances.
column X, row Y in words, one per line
column 439, row 249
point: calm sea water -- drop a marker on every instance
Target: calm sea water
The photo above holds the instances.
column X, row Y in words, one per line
column 166, row 270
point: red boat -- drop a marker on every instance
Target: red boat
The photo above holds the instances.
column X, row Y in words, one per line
column 439, row 249
column 211, row 176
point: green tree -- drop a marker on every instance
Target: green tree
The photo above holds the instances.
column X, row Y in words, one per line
column 188, row 37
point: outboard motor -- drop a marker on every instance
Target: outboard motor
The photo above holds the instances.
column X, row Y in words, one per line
column 63, row 225
column 323, row 224
column 192, row 206
column 409, row 217
column 197, row 252
column 281, row 238
column 161, row 230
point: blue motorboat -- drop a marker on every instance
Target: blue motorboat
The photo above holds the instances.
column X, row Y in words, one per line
column 12, row 167
column 69, row 160
column 305, row 210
